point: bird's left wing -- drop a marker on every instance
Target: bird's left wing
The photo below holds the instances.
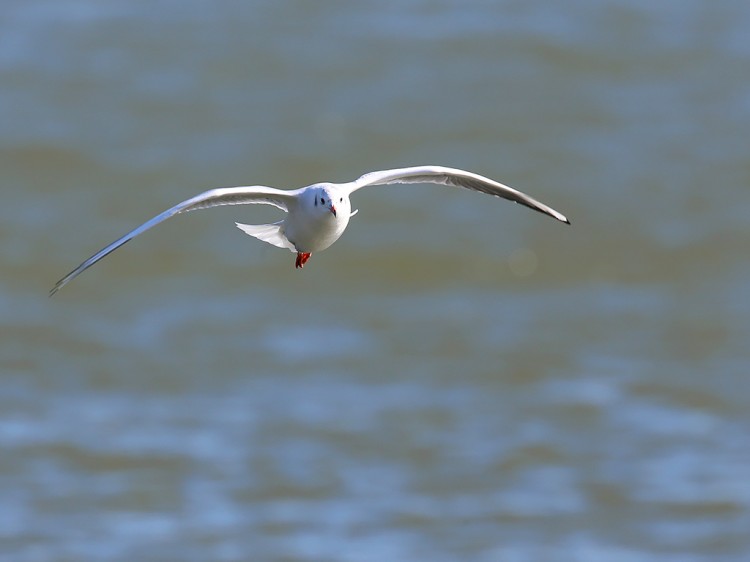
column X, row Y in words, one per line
column 256, row 194
column 454, row 177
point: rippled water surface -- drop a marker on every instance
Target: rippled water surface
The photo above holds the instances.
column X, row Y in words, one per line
column 458, row 378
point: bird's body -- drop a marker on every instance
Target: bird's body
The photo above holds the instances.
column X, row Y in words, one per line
column 312, row 226
column 317, row 215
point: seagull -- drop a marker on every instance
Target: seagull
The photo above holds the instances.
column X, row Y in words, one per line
column 318, row 214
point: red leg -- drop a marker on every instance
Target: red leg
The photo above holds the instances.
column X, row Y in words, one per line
column 302, row 258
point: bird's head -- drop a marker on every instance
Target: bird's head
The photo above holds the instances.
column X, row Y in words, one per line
column 325, row 200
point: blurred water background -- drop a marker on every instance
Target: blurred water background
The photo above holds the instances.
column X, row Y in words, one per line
column 458, row 378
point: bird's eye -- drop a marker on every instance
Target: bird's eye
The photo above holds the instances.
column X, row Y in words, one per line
column 341, row 200
column 322, row 201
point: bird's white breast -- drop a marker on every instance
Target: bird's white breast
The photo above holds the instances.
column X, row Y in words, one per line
column 315, row 232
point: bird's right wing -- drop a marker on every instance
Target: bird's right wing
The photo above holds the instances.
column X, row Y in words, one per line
column 256, row 194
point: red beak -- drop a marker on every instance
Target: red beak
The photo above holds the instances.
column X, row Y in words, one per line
column 332, row 209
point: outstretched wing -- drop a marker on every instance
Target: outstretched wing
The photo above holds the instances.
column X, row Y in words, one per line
column 454, row 177
column 212, row 198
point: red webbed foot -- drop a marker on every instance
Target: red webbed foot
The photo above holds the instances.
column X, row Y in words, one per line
column 301, row 260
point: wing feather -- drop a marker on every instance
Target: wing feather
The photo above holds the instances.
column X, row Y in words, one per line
column 453, row 177
column 256, row 194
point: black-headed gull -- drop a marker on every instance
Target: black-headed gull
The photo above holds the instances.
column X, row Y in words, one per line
column 317, row 214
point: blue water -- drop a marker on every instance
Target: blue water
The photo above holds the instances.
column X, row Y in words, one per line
column 457, row 378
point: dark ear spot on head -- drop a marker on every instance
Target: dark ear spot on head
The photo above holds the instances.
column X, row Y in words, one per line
column 316, row 200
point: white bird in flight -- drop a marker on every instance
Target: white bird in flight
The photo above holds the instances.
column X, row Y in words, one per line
column 317, row 214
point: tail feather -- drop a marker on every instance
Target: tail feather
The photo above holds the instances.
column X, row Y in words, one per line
column 271, row 233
